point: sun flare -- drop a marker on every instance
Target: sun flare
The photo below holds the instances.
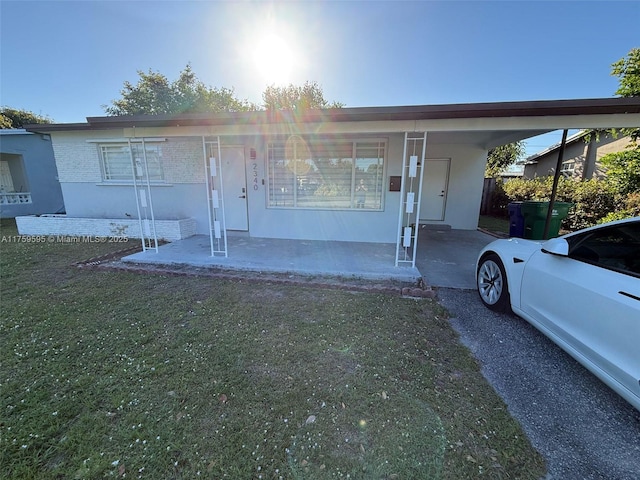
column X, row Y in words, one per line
column 274, row 59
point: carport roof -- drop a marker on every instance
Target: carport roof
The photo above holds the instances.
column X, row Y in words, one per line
column 538, row 108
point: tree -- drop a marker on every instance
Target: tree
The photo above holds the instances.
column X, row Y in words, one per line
column 502, row 157
column 627, row 70
column 155, row 95
column 623, row 168
column 306, row 97
column 15, row 118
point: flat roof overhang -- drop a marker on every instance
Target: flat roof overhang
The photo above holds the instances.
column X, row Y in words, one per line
column 490, row 124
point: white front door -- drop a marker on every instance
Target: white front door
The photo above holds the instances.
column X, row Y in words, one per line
column 434, row 189
column 234, row 184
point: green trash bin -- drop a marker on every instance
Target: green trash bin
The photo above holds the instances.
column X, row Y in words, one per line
column 535, row 216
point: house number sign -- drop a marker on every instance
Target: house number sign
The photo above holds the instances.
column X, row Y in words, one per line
column 254, row 170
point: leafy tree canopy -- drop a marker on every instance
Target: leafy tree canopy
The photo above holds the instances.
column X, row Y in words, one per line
column 154, row 94
column 15, row 118
column 298, row 98
column 502, row 157
column 627, row 70
column 623, row 168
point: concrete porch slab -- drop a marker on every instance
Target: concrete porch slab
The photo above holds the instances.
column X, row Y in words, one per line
column 368, row 261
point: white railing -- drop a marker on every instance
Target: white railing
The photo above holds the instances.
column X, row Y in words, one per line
column 15, row 198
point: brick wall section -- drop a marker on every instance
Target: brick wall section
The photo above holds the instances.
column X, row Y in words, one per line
column 79, row 161
column 170, row 230
column 182, row 160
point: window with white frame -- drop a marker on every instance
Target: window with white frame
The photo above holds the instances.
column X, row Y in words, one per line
column 116, row 161
column 326, row 174
column 568, row 168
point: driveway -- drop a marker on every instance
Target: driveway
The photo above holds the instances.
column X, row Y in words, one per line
column 447, row 258
column 582, row 428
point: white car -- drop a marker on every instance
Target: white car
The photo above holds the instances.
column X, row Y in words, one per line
column 582, row 290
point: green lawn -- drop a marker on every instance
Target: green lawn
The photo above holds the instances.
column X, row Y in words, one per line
column 120, row 374
column 494, row 224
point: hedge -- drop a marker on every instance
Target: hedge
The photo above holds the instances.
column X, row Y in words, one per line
column 594, row 200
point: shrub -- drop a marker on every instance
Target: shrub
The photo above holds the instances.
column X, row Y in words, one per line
column 630, row 208
column 499, row 200
column 592, row 199
column 520, row 190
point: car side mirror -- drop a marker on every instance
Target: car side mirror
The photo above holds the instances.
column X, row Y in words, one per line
column 556, row 246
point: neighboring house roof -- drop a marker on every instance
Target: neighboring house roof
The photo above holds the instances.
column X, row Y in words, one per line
column 532, row 159
column 14, row 131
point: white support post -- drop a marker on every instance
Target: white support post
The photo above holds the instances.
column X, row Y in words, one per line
column 402, row 186
column 134, row 172
column 207, row 176
column 215, row 196
column 410, row 190
column 220, row 175
column 421, row 176
column 153, row 220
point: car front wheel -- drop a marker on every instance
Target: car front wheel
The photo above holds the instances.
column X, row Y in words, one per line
column 492, row 284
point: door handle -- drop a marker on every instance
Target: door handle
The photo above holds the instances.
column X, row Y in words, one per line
column 242, row 196
column 629, row 295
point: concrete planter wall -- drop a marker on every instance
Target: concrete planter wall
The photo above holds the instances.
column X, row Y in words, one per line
column 169, row 230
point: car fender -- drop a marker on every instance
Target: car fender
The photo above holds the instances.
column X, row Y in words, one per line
column 514, row 254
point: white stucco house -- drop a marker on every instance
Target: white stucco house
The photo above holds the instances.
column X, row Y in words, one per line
column 349, row 174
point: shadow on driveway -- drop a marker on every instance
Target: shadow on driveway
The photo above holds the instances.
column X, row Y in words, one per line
column 447, row 258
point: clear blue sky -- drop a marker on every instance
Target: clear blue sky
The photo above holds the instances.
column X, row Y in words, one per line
column 67, row 59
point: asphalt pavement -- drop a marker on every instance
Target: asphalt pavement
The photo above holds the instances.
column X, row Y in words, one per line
column 582, row 428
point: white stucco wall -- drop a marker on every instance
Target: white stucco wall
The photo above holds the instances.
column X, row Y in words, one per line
column 341, row 225
column 466, row 177
column 183, row 195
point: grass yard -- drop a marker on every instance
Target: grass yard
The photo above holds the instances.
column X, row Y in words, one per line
column 494, row 224
column 123, row 375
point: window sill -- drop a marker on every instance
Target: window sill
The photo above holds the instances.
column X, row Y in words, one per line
column 130, row 184
column 325, row 209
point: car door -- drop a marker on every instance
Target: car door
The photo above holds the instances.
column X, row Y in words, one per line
column 589, row 301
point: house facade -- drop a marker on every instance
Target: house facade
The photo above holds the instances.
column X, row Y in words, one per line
column 28, row 176
column 581, row 157
column 351, row 174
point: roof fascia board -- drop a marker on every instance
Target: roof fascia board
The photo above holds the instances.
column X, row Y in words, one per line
column 533, row 123
column 382, row 127
column 625, row 109
column 418, row 112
